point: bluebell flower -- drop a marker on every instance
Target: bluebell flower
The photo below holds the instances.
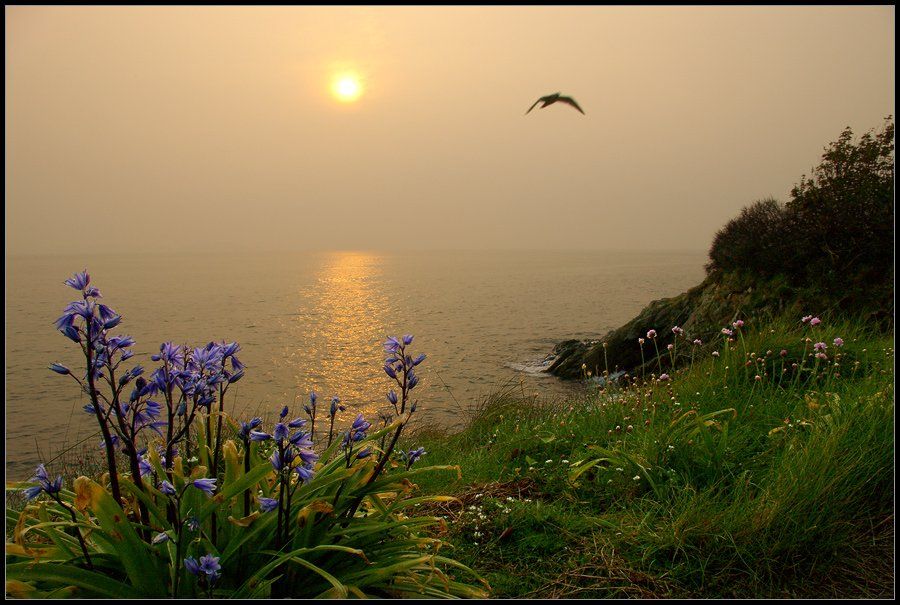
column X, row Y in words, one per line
column 60, row 368
column 160, row 538
column 145, row 466
column 206, row 485
column 259, row 436
column 79, row 281
column 167, row 488
column 391, row 345
column 392, row 396
column 93, row 291
column 308, row 456
column 389, row 370
column 313, row 398
column 305, row 473
column 192, row 566
column 407, row 339
column 284, row 412
column 235, row 377
column 414, row 455
column 360, row 425
column 419, row 359
column 364, row 453
column 210, row 566
column 296, row 423
column 192, row 523
column 301, row 439
column 267, row 505
column 281, row 432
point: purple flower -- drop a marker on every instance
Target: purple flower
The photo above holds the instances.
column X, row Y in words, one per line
column 59, row 368
column 391, row 345
column 360, row 425
column 206, row 485
column 267, row 505
column 663, row 377
column 305, row 473
column 192, row 566
column 167, row 488
column 79, row 281
column 419, row 359
column 259, row 436
column 281, row 432
column 414, row 455
column 390, row 371
column 296, row 423
column 284, row 412
column 407, row 339
column 392, row 396
column 651, row 334
column 210, row 566
column 160, row 538
column 364, row 453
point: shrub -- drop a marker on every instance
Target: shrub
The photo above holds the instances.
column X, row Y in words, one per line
column 751, row 242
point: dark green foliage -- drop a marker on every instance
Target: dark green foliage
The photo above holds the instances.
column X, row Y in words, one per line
column 835, row 233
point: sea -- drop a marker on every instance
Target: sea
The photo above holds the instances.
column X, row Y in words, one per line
column 315, row 322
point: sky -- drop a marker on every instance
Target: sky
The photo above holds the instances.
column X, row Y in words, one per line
column 141, row 129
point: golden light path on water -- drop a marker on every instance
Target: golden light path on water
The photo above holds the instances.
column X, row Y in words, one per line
column 343, row 325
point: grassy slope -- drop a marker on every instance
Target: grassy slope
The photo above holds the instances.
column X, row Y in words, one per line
column 711, row 484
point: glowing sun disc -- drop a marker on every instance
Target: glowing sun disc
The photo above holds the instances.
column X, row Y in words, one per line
column 346, row 88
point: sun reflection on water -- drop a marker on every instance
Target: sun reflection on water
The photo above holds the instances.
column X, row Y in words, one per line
column 341, row 320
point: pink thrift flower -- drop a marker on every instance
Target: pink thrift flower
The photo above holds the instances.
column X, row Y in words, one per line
column 651, row 334
column 806, row 318
column 727, row 332
column 820, row 346
column 783, row 353
column 698, row 342
column 715, row 353
column 663, row 377
column 670, row 347
column 677, row 330
column 640, row 341
column 821, row 355
column 815, row 321
column 838, row 342
column 738, row 324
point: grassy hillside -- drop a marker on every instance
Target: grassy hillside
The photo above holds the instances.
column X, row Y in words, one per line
column 751, row 473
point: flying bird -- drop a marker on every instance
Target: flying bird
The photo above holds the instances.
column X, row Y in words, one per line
column 551, row 99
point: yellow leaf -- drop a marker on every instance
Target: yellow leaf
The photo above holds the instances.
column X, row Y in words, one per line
column 82, row 487
column 17, row 589
column 318, row 506
column 244, row 521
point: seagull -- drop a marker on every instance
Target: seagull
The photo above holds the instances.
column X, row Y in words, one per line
column 551, row 99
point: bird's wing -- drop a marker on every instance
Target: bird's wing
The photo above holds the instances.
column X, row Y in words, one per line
column 535, row 103
column 571, row 102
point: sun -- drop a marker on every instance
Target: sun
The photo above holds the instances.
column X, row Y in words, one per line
column 346, row 87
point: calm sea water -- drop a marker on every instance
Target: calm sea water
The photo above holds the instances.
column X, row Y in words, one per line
column 316, row 321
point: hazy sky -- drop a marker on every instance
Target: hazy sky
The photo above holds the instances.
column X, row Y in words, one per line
column 188, row 128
